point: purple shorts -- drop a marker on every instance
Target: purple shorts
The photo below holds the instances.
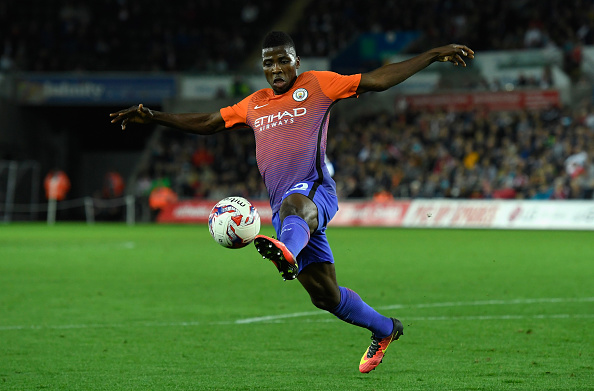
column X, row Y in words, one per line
column 317, row 249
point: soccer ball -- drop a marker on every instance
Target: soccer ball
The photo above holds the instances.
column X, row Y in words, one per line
column 234, row 222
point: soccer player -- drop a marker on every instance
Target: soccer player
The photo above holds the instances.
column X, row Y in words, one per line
column 290, row 123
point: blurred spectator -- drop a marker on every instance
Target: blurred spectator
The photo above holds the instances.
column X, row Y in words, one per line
column 240, row 88
column 161, row 197
column 112, row 188
column 572, row 58
column 382, row 195
column 575, row 164
column 202, row 156
column 113, row 185
column 534, row 37
column 56, row 185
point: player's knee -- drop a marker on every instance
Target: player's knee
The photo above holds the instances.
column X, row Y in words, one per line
column 299, row 205
column 290, row 209
column 326, row 302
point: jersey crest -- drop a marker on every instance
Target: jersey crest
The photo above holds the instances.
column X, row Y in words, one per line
column 300, row 94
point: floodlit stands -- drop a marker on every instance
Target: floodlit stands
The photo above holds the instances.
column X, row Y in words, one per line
column 540, row 154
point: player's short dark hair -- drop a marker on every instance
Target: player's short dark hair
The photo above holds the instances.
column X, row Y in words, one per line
column 277, row 38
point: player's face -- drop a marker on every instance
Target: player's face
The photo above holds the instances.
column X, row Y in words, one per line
column 280, row 64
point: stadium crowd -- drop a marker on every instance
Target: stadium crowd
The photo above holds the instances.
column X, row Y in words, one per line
column 544, row 154
column 196, row 35
column 124, row 35
column 499, row 25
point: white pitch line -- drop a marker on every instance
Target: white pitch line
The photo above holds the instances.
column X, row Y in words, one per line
column 282, row 317
column 429, row 305
column 502, row 317
column 550, row 300
column 468, row 317
column 282, row 321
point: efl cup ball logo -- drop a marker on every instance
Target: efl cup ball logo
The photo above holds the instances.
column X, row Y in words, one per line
column 300, row 94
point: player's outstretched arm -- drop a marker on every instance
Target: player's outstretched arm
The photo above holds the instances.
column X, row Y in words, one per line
column 389, row 75
column 198, row 123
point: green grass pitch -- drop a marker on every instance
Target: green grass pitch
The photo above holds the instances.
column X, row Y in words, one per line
column 163, row 307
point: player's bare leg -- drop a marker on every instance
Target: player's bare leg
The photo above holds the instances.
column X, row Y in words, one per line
column 319, row 280
column 299, row 205
column 299, row 217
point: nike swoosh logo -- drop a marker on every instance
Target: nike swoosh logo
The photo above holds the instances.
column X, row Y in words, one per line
column 259, row 107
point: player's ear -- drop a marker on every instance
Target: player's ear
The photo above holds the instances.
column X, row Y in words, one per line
column 297, row 62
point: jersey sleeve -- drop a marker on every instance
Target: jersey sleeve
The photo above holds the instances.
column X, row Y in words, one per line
column 236, row 114
column 336, row 86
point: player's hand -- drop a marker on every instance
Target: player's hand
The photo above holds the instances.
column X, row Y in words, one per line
column 454, row 53
column 138, row 114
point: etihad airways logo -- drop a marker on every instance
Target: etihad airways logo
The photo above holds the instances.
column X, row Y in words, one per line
column 278, row 119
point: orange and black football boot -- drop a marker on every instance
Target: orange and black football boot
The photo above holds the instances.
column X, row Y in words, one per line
column 375, row 352
column 276, row 251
